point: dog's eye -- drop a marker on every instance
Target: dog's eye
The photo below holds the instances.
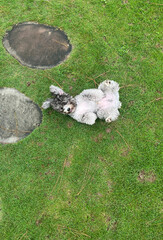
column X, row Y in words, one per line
column 109, row 82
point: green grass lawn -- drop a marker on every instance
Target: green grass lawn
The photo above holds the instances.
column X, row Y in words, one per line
column 68, row 180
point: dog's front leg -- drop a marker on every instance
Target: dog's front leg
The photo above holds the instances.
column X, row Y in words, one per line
column 47, row 103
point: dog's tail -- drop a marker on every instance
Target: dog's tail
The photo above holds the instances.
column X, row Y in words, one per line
column 47, row 103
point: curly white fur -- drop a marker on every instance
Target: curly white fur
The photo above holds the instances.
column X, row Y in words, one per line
column 91, row 104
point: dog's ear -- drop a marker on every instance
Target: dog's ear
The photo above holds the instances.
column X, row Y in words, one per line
column 73, row 101
column 56, row 90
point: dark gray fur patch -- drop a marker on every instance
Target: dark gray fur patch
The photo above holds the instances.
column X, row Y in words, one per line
column 59, row 101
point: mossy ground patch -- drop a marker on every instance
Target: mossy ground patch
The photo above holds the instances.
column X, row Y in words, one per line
column 37, row 45
column 19, row 116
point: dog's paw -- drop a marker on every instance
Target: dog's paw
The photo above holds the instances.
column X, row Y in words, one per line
column 108, row 120
column 45, row 105
column 108, row 82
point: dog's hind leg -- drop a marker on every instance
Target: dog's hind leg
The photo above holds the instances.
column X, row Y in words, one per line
column 109, row 85
column 112, row 116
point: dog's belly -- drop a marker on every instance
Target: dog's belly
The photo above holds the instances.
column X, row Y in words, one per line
column 84, row 107
column 107, row 102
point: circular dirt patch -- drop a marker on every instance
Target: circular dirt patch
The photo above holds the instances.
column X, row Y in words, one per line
column 19, row 116
column 37, row 45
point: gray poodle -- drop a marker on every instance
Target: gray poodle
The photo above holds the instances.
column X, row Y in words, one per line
column 89, row 105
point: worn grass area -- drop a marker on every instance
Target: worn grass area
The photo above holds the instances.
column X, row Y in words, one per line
column 72, row 181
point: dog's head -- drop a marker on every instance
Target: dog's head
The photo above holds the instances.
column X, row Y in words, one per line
column 64, row 103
